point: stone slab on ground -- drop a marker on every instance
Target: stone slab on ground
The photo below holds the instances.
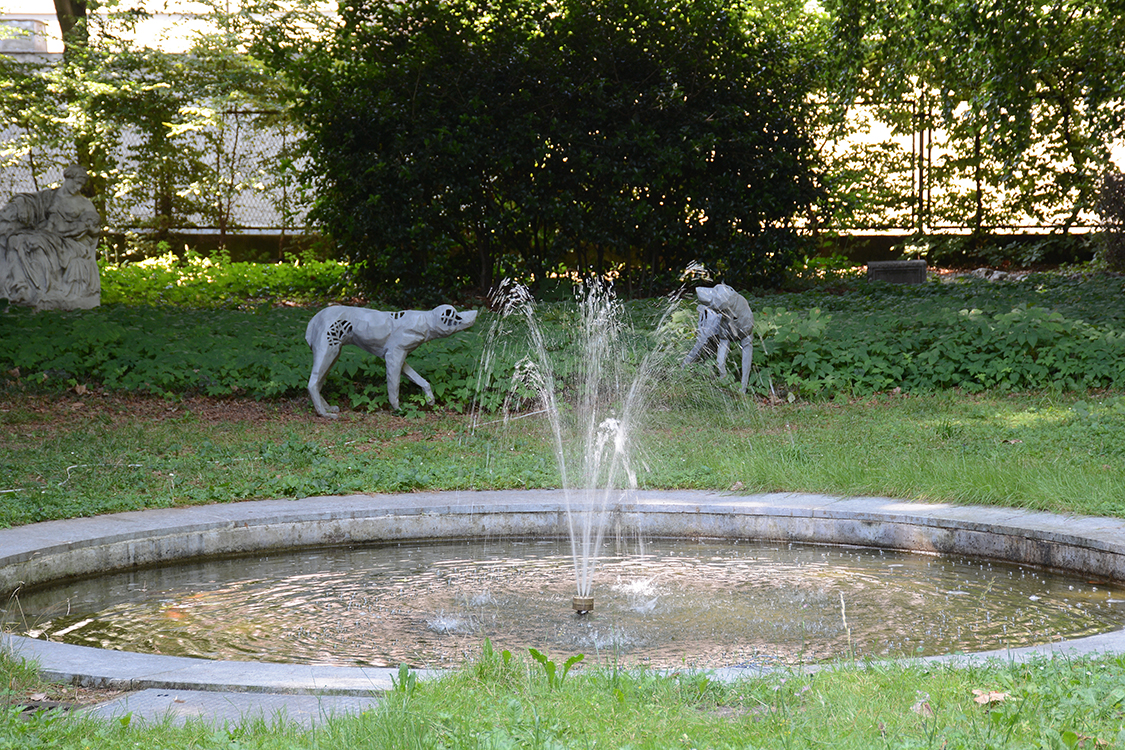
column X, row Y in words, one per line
column 229, row 708
column 897, row 271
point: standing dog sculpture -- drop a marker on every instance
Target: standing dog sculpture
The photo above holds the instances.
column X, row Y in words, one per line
column 388, row 335
column 725, row 314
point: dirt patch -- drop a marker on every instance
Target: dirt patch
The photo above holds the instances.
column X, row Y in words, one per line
column 45, row 415
column 73, row 408
column 54, row 696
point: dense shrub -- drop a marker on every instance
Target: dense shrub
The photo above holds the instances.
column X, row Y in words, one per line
column 454, row 141
column 1002, row 251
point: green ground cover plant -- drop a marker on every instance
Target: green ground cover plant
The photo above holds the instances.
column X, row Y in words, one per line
column 216, row 281
column 1045, row 332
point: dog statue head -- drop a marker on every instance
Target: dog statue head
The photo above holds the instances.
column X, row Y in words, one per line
column 737, row 316
column 450, row 321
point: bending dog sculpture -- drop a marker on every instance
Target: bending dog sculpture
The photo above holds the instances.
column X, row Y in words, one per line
column 388, row 335
column 726, row 315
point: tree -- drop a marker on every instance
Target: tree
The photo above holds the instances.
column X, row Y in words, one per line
column 153, row 128
column 29, row 108
column 454, row 141
column 1027, row 97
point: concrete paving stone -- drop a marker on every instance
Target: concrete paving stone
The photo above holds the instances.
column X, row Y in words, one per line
column 154, row 706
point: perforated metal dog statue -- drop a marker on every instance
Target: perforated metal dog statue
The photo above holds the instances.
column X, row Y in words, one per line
column 385, row 334
column 726, row 315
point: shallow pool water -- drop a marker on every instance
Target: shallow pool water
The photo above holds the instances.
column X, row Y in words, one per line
column 663, row 603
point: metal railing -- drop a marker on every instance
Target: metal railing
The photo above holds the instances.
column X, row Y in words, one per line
column 244, row 178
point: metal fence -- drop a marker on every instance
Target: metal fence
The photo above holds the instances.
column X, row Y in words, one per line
column 243, row 177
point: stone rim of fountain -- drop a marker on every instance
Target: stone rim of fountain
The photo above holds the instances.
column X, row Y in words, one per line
column 52, row 550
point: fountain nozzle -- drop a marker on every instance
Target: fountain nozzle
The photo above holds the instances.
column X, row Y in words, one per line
column 582, row 604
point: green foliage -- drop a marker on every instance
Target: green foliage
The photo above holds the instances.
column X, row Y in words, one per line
column 1023, row 101
column 453, row 142
column 1046, row 332
column 961, row 251
column 406, row 682
column 816, row 271
column 213, row 281
column 161, row 350
column 491, row 664
column 554, row 676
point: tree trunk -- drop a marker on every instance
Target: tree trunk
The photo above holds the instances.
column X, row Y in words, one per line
column 72, row 25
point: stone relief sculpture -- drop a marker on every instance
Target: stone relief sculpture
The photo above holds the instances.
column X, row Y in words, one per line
column 388, row 335
column 724, row 315
column 48, row 244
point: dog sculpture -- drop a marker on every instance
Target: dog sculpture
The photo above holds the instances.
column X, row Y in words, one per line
column 726, row 315
column 388, row 335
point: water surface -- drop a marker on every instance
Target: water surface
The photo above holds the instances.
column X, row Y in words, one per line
column 664, row 603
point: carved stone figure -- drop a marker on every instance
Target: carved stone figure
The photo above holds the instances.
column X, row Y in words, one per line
column 388, row 335
column 48, row 242
column 724, row 315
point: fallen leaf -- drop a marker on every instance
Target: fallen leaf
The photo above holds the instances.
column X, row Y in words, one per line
column 37, row 697
column 80, row 389
column 990, row 697
column 737, row 486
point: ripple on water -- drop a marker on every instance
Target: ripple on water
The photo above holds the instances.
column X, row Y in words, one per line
column 679, row 602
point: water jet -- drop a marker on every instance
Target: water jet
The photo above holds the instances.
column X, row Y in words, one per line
column 613, row 384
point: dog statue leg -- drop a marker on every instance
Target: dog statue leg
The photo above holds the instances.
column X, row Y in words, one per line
column 721, row 356
column 326, row 334
column 420, row 381
column 396, row 360
column 747, row 360
column 707, row 328
column 323, row 358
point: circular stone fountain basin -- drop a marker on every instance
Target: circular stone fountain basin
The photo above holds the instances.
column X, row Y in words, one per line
column 664, row 603
column 32, row 556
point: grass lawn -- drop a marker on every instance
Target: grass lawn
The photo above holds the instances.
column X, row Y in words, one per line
column 67, row 455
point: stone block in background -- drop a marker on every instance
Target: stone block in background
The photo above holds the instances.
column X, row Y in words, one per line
column 897, row 271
